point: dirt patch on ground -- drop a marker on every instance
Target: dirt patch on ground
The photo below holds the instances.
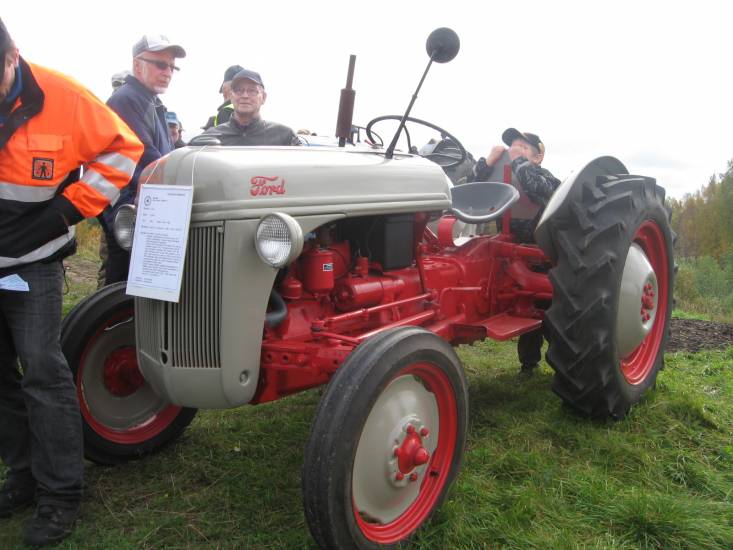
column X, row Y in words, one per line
column 693, row 335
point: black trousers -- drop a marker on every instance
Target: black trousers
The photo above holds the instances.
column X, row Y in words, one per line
column 118, row 261
column 40, row 423
column 529, row 347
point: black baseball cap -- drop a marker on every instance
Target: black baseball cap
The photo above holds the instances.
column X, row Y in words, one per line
column 251, row 75
column 5, row 42
column 510, row 134
column 4, row 38
column 229, row 74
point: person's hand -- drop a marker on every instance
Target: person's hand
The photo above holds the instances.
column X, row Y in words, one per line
column 496, row 152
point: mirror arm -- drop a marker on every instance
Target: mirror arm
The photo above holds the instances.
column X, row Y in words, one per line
column 390, row 150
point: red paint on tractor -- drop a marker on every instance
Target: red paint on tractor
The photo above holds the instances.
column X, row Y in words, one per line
column 486, row 287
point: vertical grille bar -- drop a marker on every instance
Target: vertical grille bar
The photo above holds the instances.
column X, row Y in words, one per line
column 188, row 333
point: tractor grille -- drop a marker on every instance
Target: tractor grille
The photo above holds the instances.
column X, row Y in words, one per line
column 187, row 334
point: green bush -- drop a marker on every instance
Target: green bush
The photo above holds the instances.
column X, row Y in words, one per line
column 703, row 286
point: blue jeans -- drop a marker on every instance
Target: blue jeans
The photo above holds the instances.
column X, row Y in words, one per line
column 40, row 422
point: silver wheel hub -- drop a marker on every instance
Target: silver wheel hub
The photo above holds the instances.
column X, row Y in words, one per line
column 116, row 412
column 637, row 306
column 394, row 450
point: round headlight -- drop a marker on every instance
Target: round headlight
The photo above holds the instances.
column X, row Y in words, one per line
column 279, row 239
column 124, row 226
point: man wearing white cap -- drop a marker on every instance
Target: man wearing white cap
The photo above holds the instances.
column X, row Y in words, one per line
column 137, row 103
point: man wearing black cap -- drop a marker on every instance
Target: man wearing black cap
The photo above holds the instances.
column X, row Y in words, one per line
column 245, row 127
column 49, row 126
column 526, row 153
column 225, row 110
column 138, row 104
column 535, row 185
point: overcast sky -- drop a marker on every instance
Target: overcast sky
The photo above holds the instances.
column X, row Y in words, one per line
column 646, row 81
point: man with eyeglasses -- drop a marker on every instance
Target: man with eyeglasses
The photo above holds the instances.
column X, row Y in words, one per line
column 246, row 127
column 138, row 104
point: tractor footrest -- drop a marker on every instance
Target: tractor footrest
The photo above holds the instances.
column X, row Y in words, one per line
column 504, row 326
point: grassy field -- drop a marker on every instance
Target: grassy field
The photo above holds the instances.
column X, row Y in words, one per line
column 534, row 476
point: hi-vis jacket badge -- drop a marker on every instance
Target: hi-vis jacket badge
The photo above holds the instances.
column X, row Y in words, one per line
column 42, row 169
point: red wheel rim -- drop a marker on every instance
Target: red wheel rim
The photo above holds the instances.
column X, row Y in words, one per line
column 122, row 379
column 637, row 365
column 438, row 467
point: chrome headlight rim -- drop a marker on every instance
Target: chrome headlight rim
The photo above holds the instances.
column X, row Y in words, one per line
column 123, row 227
column 294, row 233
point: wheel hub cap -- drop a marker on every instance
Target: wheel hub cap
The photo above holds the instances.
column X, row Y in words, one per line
column 122, row 376
column 639, row 287
column 395, row 450
column 409, row 457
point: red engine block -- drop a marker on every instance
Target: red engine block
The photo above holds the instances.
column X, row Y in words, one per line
column 487, row 287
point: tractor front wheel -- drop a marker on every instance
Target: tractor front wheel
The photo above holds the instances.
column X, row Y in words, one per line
column 386, row 442
column 123, row 418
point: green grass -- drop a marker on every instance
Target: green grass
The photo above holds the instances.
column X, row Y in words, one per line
column 534, row 474
column 682, row 314
column 82, row 268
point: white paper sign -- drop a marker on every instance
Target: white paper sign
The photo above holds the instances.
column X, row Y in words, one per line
column 15, row 283
column 159, row 246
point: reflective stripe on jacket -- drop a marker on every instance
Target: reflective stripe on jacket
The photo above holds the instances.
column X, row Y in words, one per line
column 55, row 126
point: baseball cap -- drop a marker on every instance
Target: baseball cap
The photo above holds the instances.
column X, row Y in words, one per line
column 229, row 74
column 172, row 118
column 251, row 75
column 5, row 42
column 510, row 134
column 4, row 38
column 156, row 43
column 118, row 79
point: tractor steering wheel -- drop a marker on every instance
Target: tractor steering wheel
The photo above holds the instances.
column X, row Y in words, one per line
column 447, row 158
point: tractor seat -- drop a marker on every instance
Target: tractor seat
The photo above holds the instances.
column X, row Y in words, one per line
column 482, row 201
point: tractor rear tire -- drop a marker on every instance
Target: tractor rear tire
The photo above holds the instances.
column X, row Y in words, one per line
column 387, row 441
column 122, row 417
column 608, row 323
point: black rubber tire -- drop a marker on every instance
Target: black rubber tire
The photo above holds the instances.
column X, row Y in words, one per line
column 341, row 417
column 592, row 236
column 78, row 327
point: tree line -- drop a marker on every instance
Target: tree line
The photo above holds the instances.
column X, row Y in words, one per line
column 703, row 220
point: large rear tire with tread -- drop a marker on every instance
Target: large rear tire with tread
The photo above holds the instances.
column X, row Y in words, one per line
column 386, row 442
column 122, row 417
column 612, row 282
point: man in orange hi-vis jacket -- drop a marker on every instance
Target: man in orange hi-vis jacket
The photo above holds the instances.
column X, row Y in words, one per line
column 49, row 126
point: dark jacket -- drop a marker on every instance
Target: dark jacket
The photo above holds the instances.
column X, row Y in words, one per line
column 223, row 114
column 144, row 113
column 257, row 132
column 537, row 182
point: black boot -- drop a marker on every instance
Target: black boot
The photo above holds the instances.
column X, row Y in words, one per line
column 51, row 523
column 18, row 492
column 528, row 369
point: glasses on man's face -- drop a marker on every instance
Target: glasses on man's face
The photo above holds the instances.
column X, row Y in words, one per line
column 246, row 91
column 162, row 65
